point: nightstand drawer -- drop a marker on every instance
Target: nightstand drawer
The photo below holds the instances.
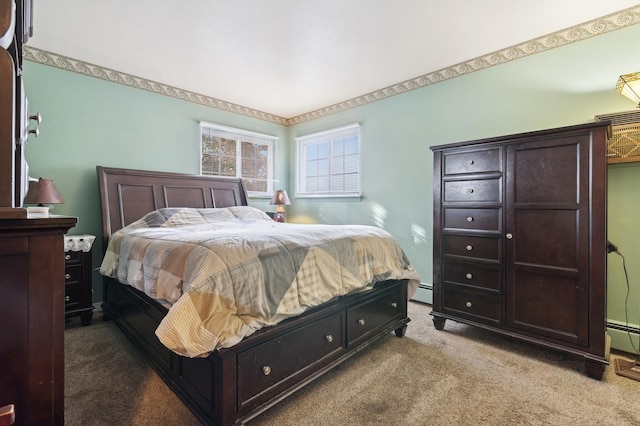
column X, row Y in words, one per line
column 71, row 257
column 72, row 273
column 72, row 295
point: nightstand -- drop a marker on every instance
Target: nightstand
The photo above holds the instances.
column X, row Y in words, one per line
column 78, row 290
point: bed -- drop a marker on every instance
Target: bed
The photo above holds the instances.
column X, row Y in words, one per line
column 233, row 383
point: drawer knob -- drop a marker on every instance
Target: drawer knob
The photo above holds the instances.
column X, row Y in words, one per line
column 470, row 219
column 67, row 276
column 471, row 162
column 328, row 338
column 509, row 235
column 67, row 298
column 67, row 256
column 361, row 321
column 394, row 304
column 469, row 247
column 468, row 304
column 470, row 190
column 266, row 370
column 469, row 276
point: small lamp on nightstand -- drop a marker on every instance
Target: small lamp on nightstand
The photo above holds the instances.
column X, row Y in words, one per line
column 280, row 199
column 41, row 192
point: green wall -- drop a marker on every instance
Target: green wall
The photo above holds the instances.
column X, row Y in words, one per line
column 89, row 122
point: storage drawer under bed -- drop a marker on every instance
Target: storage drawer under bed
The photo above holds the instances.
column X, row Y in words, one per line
column 270, row 363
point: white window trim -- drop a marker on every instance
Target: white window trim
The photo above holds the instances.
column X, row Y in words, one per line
column 299, row 163
column 269, row 139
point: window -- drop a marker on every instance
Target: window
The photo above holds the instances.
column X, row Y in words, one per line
column 226, row 151
column 329, row 163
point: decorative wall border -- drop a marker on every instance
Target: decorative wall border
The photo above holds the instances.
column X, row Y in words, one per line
column 603, row 25
column 58, row 61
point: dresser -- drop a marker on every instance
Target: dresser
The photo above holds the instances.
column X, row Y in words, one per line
column 32, row 307
column 78, row 289
column 519, row 238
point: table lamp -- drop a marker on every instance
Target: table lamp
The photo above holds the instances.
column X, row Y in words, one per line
column 41, row 192
column 280, row 199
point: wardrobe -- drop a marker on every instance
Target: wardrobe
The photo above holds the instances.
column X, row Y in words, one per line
column 519, row 238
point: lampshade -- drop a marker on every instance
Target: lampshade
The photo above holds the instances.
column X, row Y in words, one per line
column 280, row 198
column 629, row 86
column 43, row 191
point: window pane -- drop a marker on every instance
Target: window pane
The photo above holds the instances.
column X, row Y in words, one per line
column 351, row 163
column 243, row 154
column 323, row 150
column 329, row 162
column 323, row 167
column 311, row 152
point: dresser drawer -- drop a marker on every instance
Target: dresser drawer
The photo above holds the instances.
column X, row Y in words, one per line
column 370, row 316
column 257, row 369
column 473, row 219
column 472, row 305
column 474, row 275
column 477, row 161
column 472, row 246
column 474, row 190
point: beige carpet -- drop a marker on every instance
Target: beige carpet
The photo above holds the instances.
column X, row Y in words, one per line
column 458, row 376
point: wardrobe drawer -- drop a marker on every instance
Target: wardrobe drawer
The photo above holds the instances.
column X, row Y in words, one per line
column 473, row 219
column 478, row 161
column 472, row 305
column 470, row 274
column 472, row 246
column 475, row 190
column 268, row 364
column 370, row 316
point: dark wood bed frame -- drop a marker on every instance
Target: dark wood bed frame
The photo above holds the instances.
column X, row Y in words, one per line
column 234, row 385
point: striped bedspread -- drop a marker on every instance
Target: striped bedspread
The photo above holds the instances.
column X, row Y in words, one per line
column 230, row 271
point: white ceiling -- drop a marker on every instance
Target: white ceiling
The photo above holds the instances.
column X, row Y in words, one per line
column 290, row 57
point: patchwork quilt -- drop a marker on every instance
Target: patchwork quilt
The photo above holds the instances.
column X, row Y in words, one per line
column 228, row 272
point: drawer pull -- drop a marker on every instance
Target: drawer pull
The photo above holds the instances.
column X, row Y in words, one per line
column 468, row 304
column 471, row 162
column 328, row 338
column 469, row 247
column 67, row 257
column 470, row 219
column 67, row 276
column 469, row 276
column 509, row 235
column 67, row 298
column 361, row 321
column 266, row 370
column 470, row 190
column 394, row 304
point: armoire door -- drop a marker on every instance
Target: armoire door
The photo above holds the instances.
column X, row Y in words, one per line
column 547, row 237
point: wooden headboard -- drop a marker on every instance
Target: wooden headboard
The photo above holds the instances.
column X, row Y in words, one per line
column 126, row 195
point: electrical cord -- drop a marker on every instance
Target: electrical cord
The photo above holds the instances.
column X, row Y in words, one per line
column 613, row 249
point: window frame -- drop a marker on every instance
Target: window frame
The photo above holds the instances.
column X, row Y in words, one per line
column 317, row 138
column 238, row 134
